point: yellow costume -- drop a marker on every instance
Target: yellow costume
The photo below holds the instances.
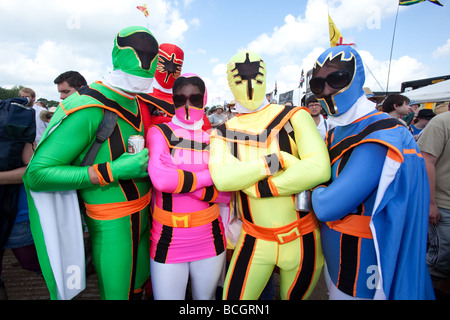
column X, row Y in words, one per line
column 257, row 154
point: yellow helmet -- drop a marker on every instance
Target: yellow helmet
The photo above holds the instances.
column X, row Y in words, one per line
column 246, row 73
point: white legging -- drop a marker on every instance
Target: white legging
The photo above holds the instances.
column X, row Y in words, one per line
column 169, row 280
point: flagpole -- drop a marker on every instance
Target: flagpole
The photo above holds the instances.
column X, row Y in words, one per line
column 148, row 17
column 392, row 47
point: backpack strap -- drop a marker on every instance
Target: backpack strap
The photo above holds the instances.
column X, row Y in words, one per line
column 104, row 130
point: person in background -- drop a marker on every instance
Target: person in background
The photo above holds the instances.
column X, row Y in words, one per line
column 218, row 117
column 40, row 125
column 68, row 83
column 17, row 140
column 397, row 106
column 434, row 143
column 315, row 108
column 423, row 117
column 410, row 117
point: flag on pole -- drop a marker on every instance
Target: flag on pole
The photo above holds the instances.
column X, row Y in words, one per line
column 335, row 35
column 275, row 91
column 410, row 2
column 143, row 9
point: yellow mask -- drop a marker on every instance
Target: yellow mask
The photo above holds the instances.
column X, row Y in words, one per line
column 246, row 73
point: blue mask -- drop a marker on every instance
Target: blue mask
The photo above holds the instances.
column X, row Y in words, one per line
column 347, row 59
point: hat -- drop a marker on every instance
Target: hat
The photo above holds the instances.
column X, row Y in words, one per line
column 427, row 114
column 413, row 102
column 45, row 115
column 368, row 93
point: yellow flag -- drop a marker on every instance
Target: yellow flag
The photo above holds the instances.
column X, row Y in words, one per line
column 335, row 34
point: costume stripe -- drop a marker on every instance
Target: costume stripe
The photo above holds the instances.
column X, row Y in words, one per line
column 133, row 119
column 162, row 248
column 158, row 103
column 338, row 149
column 348, row 267
column 284, row 142
column 263, row 188
column 307, row 268
column 103, row 169
column 135, row 220
column 219, row 244
column 167, row 203
column 245, row 207
column 177, row 142
column 188, row 182
column 117, row 148
column 245, row 137
column 272, row 163
column 209, row 193
column 241, row 267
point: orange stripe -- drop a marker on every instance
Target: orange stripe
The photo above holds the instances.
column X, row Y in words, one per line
column 354, row 225
column 368, row 116
column 194, row 183
column 109, row 211
column 412, row 151
column 393, row 152
column 180, row 181
column 108, row 167
column 186, row 219
column 99, row 176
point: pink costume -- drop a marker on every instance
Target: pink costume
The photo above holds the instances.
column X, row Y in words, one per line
column 186, row 222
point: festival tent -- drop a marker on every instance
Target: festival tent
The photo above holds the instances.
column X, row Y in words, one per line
column 437, row 92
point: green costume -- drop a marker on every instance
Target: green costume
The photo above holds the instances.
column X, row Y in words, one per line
column 117, row 208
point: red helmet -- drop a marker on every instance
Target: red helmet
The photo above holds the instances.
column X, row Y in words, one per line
column 170, row 61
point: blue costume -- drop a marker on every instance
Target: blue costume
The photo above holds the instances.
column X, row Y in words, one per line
column 376, row 207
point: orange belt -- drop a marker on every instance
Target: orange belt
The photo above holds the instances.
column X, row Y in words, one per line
column 283, row 234
column 186, row 219
column 353, row 225
column 109, row 211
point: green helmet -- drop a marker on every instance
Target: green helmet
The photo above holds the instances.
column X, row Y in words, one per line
column 135, row 52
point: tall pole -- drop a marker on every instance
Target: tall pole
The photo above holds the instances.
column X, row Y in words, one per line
column 392, row 47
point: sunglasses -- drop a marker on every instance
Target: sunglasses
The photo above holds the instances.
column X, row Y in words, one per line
column 337, row 80
column 196, row 100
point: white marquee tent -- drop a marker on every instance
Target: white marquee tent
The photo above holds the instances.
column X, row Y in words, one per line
column 437, row 92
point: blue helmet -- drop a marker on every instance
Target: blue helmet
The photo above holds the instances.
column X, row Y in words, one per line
column 346, row 58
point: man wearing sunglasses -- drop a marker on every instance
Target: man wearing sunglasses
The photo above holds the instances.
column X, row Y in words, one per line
column 267, row 154
column 375, row 210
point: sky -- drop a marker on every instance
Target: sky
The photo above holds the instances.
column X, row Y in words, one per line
column 41, row 39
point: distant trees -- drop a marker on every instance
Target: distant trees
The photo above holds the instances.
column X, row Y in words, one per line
column 14, row 92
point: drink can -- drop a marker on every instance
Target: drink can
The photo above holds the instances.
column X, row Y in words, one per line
column 303, row 201
column 135, row 144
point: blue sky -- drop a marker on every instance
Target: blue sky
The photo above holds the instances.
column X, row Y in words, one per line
column 41, row 39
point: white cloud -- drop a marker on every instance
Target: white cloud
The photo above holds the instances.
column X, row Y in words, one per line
column 402, row 69
column 48, row 38
column 442, row 51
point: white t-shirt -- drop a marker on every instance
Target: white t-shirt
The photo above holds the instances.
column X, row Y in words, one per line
column 40, row 125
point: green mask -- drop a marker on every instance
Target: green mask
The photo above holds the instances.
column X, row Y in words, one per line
column 135, row 52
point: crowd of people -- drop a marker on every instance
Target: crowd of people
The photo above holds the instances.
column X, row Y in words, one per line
column 214, row 197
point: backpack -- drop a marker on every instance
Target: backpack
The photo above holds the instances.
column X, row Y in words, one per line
column 17, row 126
